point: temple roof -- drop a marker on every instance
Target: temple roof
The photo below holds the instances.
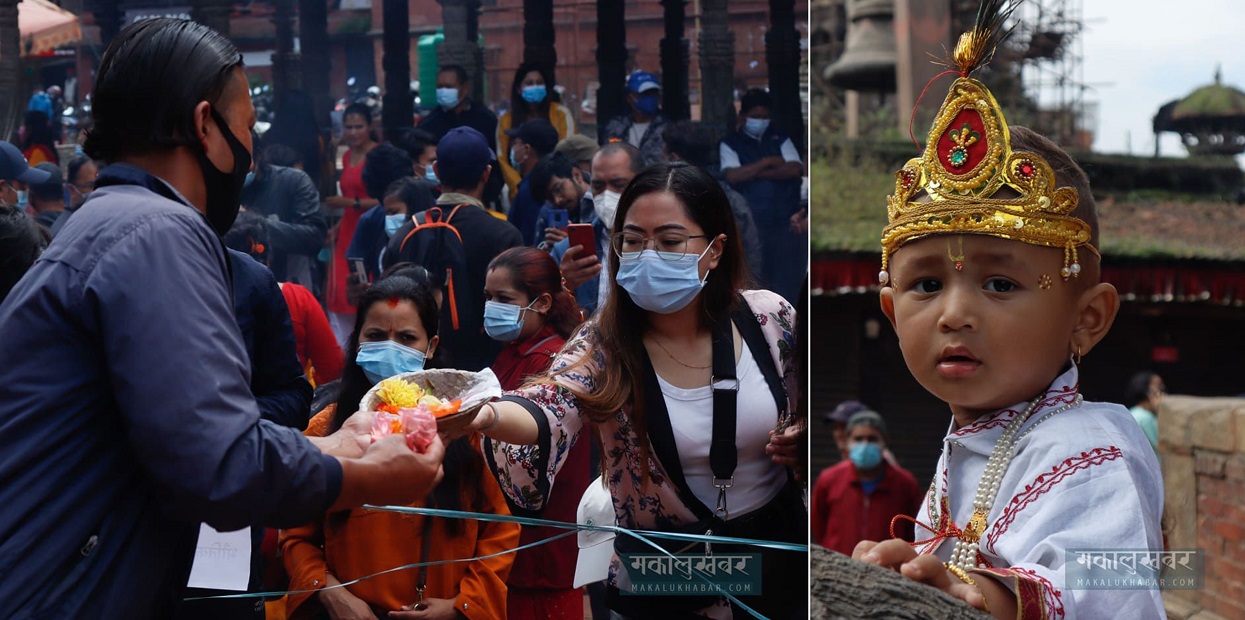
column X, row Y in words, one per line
column 1216, row 100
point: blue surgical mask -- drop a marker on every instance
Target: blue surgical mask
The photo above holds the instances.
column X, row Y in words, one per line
column 534, row 94
column 381, row 360
column 660, row 285
column 503, row 322
column 647, row 104
column 23, row 199
column 514, row 163
column 250, row 178
column 393, row 223
column 431, row 175
column 756, row 127
column 447, row 98
column 865, row 455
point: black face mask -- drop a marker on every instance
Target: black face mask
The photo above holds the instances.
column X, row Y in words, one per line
column 224, row 189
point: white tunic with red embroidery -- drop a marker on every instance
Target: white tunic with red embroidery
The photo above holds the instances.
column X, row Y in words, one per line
column 1084, row 478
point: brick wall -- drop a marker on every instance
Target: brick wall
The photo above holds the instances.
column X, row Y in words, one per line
column 1202, row 447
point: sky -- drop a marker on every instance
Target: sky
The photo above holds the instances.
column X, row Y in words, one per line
column 1139, row 55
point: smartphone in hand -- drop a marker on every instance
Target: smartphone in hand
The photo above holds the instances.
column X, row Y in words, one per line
column 559, row 218
column 582, row 234
column 358, row 271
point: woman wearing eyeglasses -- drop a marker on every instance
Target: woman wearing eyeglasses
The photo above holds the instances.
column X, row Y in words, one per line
column 639, row 379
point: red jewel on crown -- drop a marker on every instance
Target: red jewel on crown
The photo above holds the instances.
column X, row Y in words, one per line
column 907, row 178
column 1025, row 168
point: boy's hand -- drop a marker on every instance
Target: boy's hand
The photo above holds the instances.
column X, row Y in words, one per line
column 899, row 556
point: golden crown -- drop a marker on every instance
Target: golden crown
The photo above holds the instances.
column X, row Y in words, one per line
column 968, row 159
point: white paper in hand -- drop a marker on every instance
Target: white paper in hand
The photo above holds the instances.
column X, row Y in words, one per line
column 222, row 560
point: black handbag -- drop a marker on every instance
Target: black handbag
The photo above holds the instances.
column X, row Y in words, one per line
column 784, row 575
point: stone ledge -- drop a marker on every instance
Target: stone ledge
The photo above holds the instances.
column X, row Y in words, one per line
column 1180, row 509
column 1206, row 615
column 1179, row 608
column 1187, row 422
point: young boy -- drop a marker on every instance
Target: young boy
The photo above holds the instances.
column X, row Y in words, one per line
column 991, row 280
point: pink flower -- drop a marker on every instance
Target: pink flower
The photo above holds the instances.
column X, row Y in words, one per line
column 385, row 424
column 420, row 426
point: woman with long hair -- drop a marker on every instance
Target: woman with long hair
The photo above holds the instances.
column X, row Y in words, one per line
column 532, row 95
column 527, row 308
column 354, row 201
column 640, row 375
column 396, row 331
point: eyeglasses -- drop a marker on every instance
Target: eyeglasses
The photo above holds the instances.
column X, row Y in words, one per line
column 669, row 246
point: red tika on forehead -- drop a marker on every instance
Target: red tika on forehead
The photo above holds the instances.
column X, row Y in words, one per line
column 393, row 302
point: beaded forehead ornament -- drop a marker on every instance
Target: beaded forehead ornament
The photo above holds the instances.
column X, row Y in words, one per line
column 968, row 159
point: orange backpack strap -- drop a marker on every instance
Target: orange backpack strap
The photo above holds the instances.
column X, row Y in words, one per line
column 418, row 224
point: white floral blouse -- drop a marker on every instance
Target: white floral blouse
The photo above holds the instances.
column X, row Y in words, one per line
column 525, row 473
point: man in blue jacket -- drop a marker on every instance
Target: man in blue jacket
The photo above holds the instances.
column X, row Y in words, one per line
column 126, row 417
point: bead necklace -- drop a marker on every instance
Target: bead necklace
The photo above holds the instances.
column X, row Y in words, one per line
column 964, row 554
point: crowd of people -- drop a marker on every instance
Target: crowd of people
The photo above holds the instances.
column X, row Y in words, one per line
column 215, row 304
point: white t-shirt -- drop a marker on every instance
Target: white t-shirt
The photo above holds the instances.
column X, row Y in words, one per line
column 728, row 158
column 636, row 134
column 757, row 478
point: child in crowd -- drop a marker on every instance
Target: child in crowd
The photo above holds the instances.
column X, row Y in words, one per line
column 991, row 278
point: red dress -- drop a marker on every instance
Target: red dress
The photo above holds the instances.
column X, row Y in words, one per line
column 540, row 581
column 352, row 187
column 318, row 351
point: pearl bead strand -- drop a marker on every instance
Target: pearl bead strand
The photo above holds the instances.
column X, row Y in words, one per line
column 964, row 554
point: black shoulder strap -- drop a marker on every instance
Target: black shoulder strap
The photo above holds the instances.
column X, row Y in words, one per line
column 750, row 329
column 746, row 321
column 723, row 454
column 661, row 437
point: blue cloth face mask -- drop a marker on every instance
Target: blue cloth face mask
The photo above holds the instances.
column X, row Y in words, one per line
column 534, row 94
column 381, row 360
column 660, row 285
column 865, row 455
column 393, row 223
column 756, row 127
column 447, row 98
column 647, row 104
column 503, row 322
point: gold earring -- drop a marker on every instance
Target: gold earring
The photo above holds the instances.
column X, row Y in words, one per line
column 1078, row 355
